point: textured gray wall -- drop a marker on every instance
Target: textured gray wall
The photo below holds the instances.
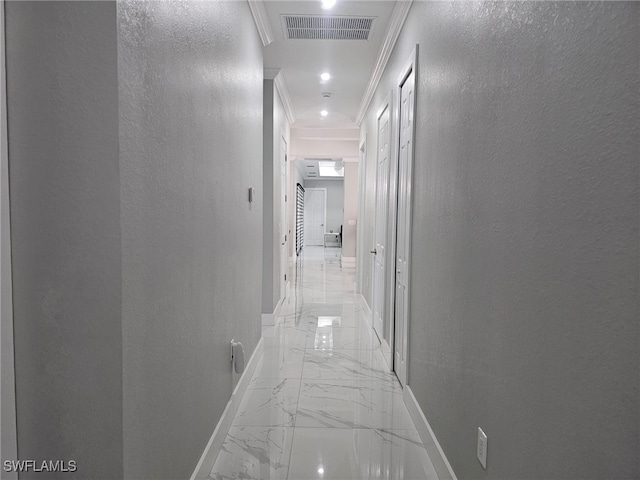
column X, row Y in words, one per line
column 8, row 433
column 135, row 132
column 190, row 82
column 524, row 297
column 65, row 214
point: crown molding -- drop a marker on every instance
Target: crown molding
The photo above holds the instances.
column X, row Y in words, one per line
column 262, row 21
column 398, row 16
column 284, row 96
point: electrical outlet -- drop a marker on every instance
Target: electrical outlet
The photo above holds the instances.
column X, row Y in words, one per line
column 482, row 448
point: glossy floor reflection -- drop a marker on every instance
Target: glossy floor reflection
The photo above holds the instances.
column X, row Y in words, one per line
column 321, row 404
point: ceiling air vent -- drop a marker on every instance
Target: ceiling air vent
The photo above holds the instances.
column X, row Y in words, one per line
column 324, row 27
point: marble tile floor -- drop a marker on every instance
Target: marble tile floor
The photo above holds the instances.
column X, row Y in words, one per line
column 321, row 404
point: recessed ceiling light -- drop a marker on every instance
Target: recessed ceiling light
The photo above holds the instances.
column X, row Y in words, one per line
column 327, row 4
column 325, row 76
column 324, row 113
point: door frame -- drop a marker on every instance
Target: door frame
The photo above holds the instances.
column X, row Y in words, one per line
column 284, row 224
column 387, row 352
column 411, row 65
column 324, row 217
column 9, row 436
column 361, row 251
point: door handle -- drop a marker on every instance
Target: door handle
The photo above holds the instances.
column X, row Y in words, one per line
column 374, row 251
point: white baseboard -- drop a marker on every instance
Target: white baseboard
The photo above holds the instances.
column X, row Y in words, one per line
column 349, row 261
column 436, row 454
column 365, row 308
column 387, row 354
column 384, row 346
column 208, row 458
column 269, row 319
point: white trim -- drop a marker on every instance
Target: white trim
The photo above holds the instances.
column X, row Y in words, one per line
column 362, row 302
column 349, row 261
column 285, row 97
column 434, row 450
column 208, row 458
column 360, row 250
column 398, row 16
column 277, row 76
column 269, row 319
column 284, row 218
column 387, row 354
column 368, row 318
column 8, row 437
column 411, row 66
column 392, row 220
column 262, row 21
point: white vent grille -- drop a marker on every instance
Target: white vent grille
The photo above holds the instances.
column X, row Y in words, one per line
column 323, row 27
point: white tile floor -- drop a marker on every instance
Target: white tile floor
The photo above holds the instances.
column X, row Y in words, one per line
column 320, row 404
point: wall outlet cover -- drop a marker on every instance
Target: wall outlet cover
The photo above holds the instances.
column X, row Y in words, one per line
column 482, row 448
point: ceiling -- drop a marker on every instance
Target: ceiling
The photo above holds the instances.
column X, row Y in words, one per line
column 350, row 62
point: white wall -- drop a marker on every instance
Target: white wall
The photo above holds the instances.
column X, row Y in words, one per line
column 327, row 149
column 350, row 209
column 324, row 142
column 524, row 284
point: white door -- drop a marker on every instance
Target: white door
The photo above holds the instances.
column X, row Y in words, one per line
column 382, row 194
column 314, row 215
column 284, row 260
column 403, row 226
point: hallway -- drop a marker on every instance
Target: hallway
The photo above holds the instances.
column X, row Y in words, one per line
column 320, row 404
column 480, row 163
